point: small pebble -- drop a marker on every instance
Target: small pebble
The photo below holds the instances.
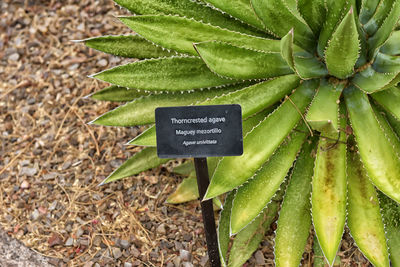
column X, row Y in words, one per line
column 187, row 237
column 79, row 232
column 28, row 171
column 170, row 264
column 117, row 253
column 88, row 264
column 259, row 257
column 14, row 57
column 102, row 62
column 25, row 185
column 35, row 215
column 161, row 229
column 187, row 264
column 134, row 251
column 69, row 242
column 124, row 244
column 184, row 255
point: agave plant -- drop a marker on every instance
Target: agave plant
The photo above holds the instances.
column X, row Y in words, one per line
column 317, row 82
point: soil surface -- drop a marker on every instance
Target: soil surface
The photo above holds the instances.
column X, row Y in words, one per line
column 51, row 160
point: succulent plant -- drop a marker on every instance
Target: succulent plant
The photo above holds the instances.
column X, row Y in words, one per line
column 317, row 82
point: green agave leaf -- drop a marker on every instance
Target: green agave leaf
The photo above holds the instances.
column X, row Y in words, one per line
column 287, row 49
column 132, row 46
column 309, row 67
column 378, row 155
column 387, row 128
column 157, row 29
column 379, row 15
column 329, row 192
column 336, row 10
column 314, row 12
column 279, row 20
column 240, row 9
column 394, row 123
column 241, row 63
column 368, row 8
column 386, row 64
column 391, row 217
column 364, row 219
column 370, row 81
column 389, row 99
column 141, row 161
column 146, row 138
column 386, row 29
column 233, row 171
column 323, row 113
column 118, row 94
column 186, row 8
column 164, row 74
column 257, row 97
column 186, row 191
column 392, row 47
column 343, row 48
column 295, row 216
column 223, row 228
column 253, row 196
column 305, row 65
column 141, row 110
column 185, row 168
column 248, row 240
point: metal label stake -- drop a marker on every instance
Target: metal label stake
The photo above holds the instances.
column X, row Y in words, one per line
column 200, row 164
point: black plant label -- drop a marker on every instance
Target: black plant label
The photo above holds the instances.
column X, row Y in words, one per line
column 199, row 131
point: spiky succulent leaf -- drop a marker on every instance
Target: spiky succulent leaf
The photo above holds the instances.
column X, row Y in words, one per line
column 240, row 9
column 391, row 218
column 295, row 216
column 279, row 19
column 364, row 219
column 241, row 63
column 146, row 138
column 391, row 47
column 329, row 191
column 164, row 74
column 186, row 191
column 314, row 12
column 335, row 10
column 341, row 53
column 223, row 228
column 118, row 94
column 247, row 241
column 385, row 29
column 141, row 161
column 378, row 155
column 189, row 31
column 371, row 81
column 324, row 110
column 389, row 99
column 132, row 46
column 265, row 182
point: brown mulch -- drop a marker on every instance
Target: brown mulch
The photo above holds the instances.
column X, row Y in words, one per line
column 51, row 161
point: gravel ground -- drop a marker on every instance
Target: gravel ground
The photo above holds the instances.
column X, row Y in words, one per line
column 51, row 161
